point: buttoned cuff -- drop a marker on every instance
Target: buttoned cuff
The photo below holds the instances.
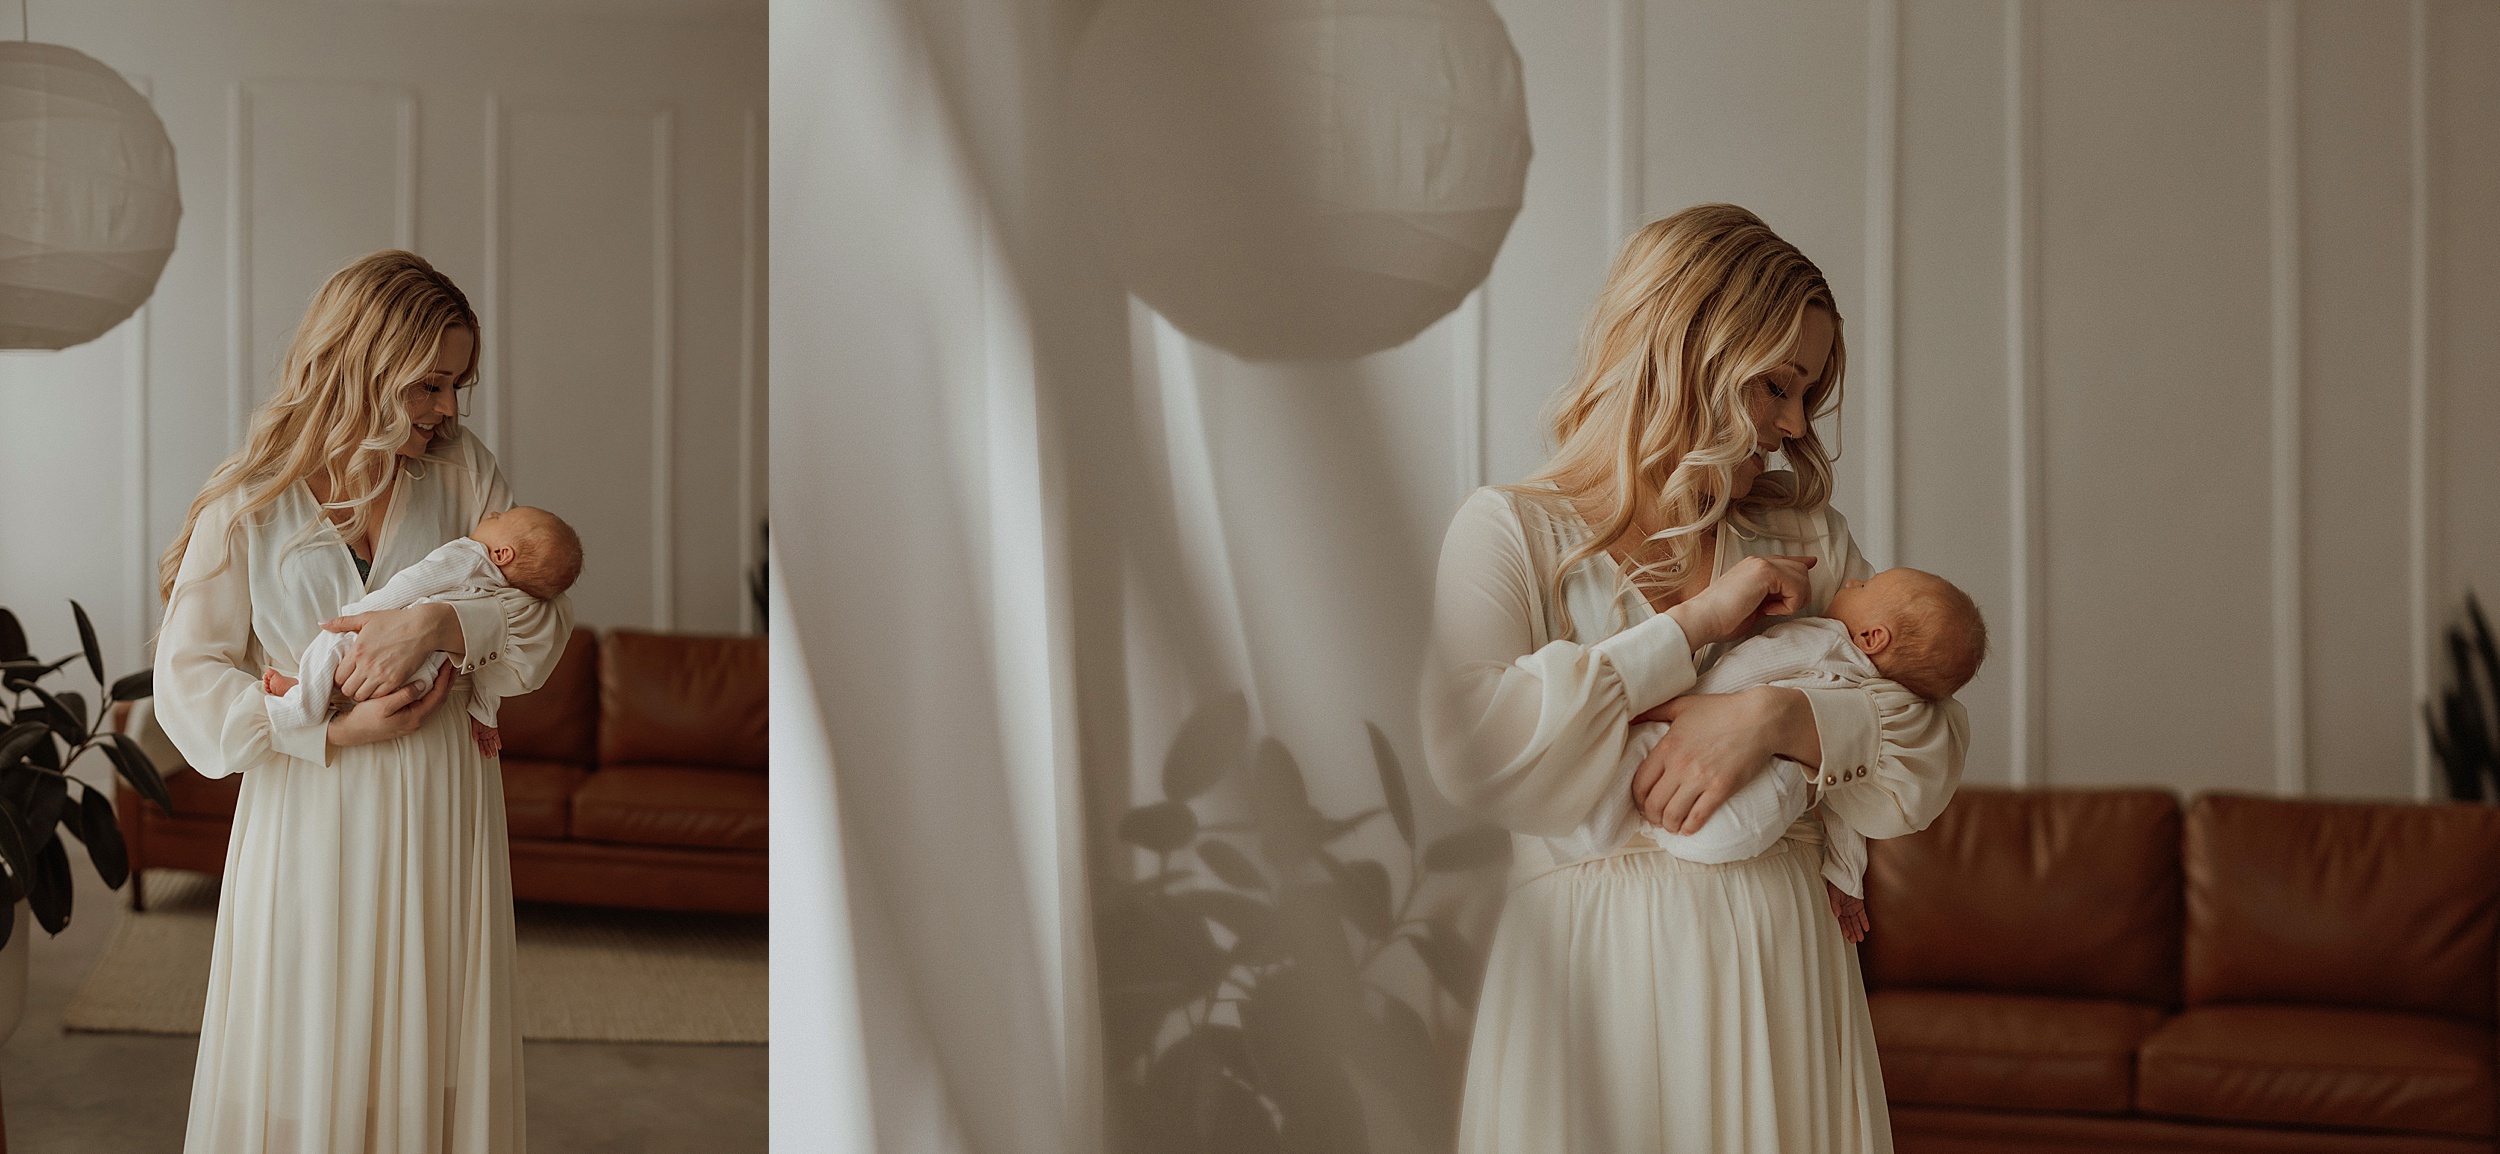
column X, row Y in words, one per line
column 1652, row 659
column 483, row 636
column 305, row 742
column 1852, row 735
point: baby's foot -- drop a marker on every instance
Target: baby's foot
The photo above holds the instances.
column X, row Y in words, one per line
column 276, row 684
column 489, row 739
column 1851, row 912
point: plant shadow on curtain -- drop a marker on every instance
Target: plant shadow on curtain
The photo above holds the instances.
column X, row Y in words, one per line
column 1244, row 1005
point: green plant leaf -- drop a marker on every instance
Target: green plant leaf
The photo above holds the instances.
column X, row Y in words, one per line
column 20, row 673
column 1392, row 783
column 134, row 686
column 1230, row 865
column 47, row 797
column 70, row 724
column 13, row 849
column 1208, row 747
column 20, row 739
column 1162, row 827
column 12, row 638
column 102, row 836
column 139, row 770
column 1451, row 961
column 87, row 642
column 1469, row 848
column 49, row 897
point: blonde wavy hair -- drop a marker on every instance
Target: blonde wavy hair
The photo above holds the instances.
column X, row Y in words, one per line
column 340, row 410
column 1697, row 307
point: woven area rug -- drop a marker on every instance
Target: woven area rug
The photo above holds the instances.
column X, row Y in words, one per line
column 586, row 975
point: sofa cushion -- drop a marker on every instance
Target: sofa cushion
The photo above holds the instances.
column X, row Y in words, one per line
column 2387, row 907
column 2316, row 1066
column 674, row 699
column 197, row 796
column 2072, row 893
column 672, row 805
column 2009, row 1052
column 538, row 796
column 558, row 721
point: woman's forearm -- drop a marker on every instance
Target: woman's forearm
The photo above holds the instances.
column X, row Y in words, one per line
column 1788, row 725
column 444, row 629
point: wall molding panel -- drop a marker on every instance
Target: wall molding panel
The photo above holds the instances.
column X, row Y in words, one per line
column 663, row 370
column 495, row 381
column 2291, row 713
column 1627, row 92
column 2028, row 640
column 750, row 355
column 2422, row 509
column 238, row 261
column 1880, row 401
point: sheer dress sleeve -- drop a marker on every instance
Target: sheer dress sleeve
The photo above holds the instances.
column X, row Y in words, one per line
column 1530, row 737
column 208, row 697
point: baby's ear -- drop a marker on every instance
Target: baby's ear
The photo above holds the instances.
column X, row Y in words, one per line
column 501, row 555
column 1873, row 639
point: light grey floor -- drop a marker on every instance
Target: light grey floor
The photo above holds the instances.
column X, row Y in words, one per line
column 69, row 1093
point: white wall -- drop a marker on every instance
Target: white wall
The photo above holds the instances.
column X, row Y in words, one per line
column 2148, row 292
column 590, row 174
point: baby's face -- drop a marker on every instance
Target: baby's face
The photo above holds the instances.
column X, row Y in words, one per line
column 1880, row 600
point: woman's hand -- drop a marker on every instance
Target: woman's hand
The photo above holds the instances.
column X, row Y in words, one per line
column 393, row 715
column 1757, row 587
column 1715, row 743
column 391, row 644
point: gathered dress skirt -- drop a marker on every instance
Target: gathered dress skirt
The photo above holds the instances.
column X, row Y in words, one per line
column 360, row 993
column 1639, row 1004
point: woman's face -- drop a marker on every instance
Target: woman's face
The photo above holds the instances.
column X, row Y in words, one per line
column 433, row 398
column 1777, row 398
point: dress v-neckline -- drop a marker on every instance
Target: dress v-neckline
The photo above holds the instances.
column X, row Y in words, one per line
column 364, row 566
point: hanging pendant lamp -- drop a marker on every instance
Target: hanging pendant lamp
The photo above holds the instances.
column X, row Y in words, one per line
column 88, row 199
column 1301, row 179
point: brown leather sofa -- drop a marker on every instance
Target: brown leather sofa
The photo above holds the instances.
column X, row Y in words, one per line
column 634, row 777
column 2072, row 971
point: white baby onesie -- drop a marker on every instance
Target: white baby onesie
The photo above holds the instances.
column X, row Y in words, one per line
column 459, row 568
column 1806, row 653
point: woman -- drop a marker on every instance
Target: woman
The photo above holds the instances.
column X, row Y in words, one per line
column 1636, row 1002
column 360, row 995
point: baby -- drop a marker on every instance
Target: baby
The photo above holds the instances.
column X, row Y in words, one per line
column 528, row 549
column 1913, row 628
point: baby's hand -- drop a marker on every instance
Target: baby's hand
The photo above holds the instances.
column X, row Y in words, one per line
column 1851, row 912
column 489, row 739
column 276, row 684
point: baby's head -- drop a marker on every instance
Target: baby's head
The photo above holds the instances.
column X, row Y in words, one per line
column 537, row 552
column 1919, row 629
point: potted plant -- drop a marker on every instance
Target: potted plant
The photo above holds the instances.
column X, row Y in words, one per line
column 42, row 731
column 2465, row 721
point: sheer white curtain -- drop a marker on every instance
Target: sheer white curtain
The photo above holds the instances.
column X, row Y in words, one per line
column 1086, row 632
column 931, row 960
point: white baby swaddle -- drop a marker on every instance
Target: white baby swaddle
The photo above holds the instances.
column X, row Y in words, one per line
column 1806, row 653
column 459, row 568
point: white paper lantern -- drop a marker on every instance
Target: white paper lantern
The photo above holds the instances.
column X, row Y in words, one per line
column 88, row 202
column 1301, row 179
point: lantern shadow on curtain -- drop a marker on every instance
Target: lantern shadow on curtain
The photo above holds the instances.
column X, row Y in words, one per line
column 89, row 203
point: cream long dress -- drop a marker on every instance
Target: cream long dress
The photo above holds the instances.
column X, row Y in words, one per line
column 1636, row 1002
column 360, row 993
